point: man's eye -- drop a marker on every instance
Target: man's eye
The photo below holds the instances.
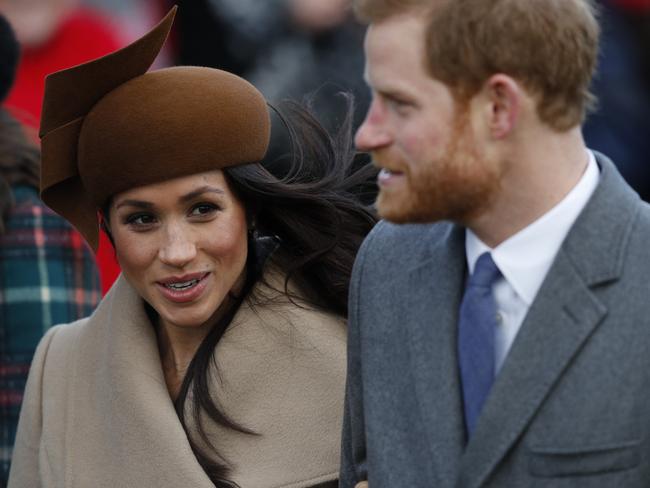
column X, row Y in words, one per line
column 397, row 104
column 203, row 209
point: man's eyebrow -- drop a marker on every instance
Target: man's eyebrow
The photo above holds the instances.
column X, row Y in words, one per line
column 200, row 191
column 391, row 91
column 396, row 96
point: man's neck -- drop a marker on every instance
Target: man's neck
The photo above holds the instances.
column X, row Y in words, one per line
column 537, row 179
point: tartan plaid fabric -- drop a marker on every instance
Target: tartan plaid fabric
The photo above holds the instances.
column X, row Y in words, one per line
column 47, row 276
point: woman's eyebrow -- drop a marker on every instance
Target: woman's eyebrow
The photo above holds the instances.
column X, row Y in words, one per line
column 135, row 203
column 200, row 191
column 185, row 198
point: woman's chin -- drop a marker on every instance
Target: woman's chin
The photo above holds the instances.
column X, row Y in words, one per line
column 185, row 320
column 184, row 317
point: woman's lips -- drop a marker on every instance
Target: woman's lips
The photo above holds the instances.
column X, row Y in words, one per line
column 387, row 177
column 184, row 289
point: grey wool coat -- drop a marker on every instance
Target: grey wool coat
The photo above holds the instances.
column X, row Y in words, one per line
column 97, row 412
column 571, row 405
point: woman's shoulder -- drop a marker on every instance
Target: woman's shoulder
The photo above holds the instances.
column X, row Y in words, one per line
column 60, row 342
column 276, row 319
column 281, row 369
column 274, row 293
column 276, row 286
column 52, row 365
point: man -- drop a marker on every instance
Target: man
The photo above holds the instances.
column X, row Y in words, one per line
column 500, row 323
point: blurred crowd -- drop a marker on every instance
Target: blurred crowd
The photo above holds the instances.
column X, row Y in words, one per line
column 298, row 48
column 620, row 126
column 291, row 49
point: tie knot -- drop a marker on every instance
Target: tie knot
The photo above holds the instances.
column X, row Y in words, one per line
column 485, row 272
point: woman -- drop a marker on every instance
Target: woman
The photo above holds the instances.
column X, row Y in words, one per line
column 218, row 358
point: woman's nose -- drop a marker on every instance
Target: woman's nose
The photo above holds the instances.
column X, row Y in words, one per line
column 178, row 249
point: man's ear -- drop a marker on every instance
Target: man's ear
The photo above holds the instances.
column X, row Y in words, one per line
column 504, row 98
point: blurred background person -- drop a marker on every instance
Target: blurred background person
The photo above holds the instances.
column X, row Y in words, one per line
column 287, row 48
column 47, row 273
column 620, row 127
column 133, row 17
column 54, row 35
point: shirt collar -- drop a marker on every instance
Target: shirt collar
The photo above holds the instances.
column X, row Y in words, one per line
column 525, row 258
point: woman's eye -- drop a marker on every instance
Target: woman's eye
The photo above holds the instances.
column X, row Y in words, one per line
column 203, row 209
column 140, row 219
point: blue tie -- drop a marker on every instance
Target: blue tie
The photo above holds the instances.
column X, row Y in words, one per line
column 476, row 328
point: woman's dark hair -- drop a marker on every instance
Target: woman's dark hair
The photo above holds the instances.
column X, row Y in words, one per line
column 19, row 162
column 314, row 214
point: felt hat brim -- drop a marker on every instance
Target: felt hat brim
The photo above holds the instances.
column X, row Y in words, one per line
column 109, row 126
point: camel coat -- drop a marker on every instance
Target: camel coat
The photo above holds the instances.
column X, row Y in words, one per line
column 97, row 412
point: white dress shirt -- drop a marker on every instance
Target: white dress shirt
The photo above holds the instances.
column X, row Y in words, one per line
column 525, row 259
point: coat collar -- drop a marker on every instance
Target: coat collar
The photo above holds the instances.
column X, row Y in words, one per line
column 122, row 412
column 597, row 244
column 432, row 308
column 124, row 430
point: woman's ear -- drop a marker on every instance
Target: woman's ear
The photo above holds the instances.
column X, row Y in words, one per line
column 251, row 220
column 252, row 226
column 104, row 225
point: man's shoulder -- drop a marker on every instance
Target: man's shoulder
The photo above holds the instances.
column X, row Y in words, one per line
column 401, row 245
column 640, row 229
column 644, row 215
column 407, row 236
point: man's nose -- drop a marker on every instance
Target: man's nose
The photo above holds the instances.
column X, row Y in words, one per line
column 373, row 132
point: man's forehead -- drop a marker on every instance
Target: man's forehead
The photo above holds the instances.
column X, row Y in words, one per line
column 409, row 25
column 393, row 48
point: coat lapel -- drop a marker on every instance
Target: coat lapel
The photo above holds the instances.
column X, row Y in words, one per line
column 281, row 369
column 562, row 318
column 124, row 429
column 437, row 286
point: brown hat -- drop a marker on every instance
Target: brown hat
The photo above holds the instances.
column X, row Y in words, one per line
column 108, row 126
